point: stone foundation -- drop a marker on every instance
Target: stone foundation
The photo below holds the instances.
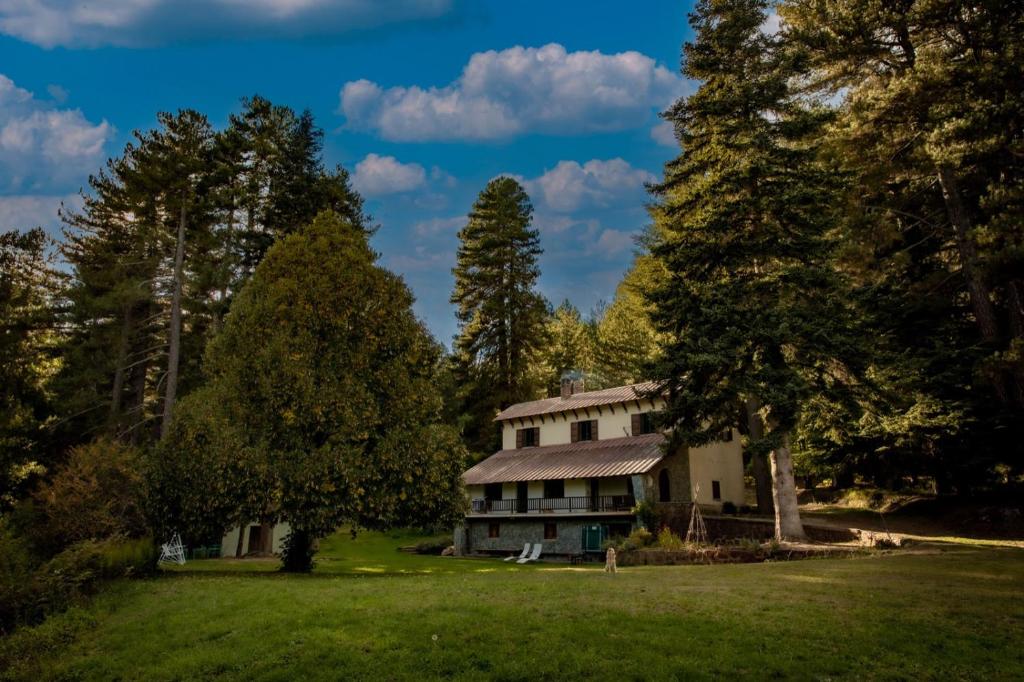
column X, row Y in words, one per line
column 514, row 532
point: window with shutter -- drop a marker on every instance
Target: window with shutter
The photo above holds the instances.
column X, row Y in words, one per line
column 593, row 429
column 636, row 424
column 585, row 430
column 574, row 432
column 528, row 438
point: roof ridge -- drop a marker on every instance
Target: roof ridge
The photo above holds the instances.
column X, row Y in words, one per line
column 601, row 396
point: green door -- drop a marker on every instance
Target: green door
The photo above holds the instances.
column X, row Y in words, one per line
column 593, row 536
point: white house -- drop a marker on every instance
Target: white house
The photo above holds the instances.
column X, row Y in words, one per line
column 572, row 468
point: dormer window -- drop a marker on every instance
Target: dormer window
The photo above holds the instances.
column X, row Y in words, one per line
column 582, row 431
column 528, row 438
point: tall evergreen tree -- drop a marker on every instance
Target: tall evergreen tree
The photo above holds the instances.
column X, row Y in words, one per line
column 750, row 304
column 570, row 347
column 142, row 309
column 501, row 316
column 627, row 343
column 29, row 290
column 930, row 131
column 128, row 251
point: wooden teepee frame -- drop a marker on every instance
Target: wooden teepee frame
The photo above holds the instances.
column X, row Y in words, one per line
column 697, row 533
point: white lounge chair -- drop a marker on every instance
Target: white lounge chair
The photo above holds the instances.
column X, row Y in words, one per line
column 526, row 550
column 533, row 555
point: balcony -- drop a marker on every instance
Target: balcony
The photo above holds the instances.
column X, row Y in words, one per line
column 555, row 505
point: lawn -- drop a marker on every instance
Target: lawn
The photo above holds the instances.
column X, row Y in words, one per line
column 370, row 612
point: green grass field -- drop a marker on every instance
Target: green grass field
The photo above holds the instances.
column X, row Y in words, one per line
column 370, row 612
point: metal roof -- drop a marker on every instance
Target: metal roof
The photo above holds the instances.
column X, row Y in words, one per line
column 587, row 459
column 578, row 401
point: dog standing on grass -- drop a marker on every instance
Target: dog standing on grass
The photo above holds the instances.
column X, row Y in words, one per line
column 609, row 561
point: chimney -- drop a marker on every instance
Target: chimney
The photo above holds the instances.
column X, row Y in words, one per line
column 572, row 383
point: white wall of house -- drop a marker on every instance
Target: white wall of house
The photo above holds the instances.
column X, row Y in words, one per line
column 229, row 543
column 722, row 462
column 614, row 421
column 577, row 487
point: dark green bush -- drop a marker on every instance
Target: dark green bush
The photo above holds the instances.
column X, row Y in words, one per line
column 728, row 508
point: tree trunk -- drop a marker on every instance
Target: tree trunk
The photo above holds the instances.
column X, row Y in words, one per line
column 981, row 303
column 1015, row 302
column 267, row 536
column 787, row 510
column 759, row 466
column 174, row 348
column 120, row 369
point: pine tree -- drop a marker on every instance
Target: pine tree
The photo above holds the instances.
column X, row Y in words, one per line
column 930, row 131
column 501, row 316
column 627, row 343
column 140, row 316
column 750, row 303
column 570, row 347
column 29, row 291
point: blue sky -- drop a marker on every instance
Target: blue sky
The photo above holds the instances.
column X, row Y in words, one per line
column 423, row 101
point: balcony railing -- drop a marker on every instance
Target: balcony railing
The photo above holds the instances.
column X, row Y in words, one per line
column 535, row 505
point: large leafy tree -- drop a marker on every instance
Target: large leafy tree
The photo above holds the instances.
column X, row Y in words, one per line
column 749, row 306
column 501, row 316
column 931, row 134
column 331, row 411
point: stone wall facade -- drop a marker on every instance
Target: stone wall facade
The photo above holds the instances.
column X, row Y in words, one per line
column 514, row 532
column 678, row 466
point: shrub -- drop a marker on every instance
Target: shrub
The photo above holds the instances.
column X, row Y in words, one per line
column 432, row 546
column 728, row 508
column 669, row 540
column 97, row 494
column 646, row 514
column 16, row 588
column 749, row 545
column 30, row 592
column 641, row 537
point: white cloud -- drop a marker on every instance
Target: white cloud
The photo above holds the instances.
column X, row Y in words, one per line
column 570, row 186
column 59, row 94
column 549, row 223
column 438, row 226
column 665, row 134
column 519, row 90
column 28, row 211
column 614, row 242
column 379, row 175
column 133, row 23
column 42, row 146
column 772, row 24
